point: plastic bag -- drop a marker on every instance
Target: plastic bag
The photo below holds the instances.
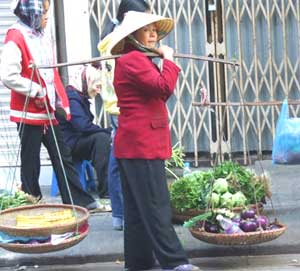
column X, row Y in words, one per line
column 286, row 146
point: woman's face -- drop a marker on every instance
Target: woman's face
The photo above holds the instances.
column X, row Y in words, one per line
column 94, row 90
column 45, row 16
column 147, row 35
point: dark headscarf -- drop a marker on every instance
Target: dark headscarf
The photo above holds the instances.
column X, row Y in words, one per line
column 125, row 6
column 30, row 13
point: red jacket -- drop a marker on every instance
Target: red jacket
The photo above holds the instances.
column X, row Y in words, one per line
column 142, row 91
column 34, row 115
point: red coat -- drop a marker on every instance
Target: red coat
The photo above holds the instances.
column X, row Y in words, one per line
column 142, row 91
column 34, row 115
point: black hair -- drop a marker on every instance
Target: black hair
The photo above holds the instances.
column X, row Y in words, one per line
column 125, row 6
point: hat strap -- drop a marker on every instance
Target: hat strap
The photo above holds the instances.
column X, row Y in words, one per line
column 141, row 47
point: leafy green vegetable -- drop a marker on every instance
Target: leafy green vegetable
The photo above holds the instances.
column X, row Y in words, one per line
column 220, row 186
column 236, row 186
column 213, row 200
column 190, row 192
column 19, row 198
column 177, row 160
column 226, row 200
column 241, row 179
column 192, row 222
column 239, row 199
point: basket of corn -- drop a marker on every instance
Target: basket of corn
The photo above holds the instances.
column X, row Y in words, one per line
column 42, row 228
column 42, row 219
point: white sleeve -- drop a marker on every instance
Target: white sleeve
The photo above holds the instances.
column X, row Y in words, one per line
column 11, row 68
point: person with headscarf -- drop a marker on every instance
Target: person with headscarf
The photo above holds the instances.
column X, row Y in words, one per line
column 143, row 141
column 35, row 97
column 87, row 140
column 110, row 106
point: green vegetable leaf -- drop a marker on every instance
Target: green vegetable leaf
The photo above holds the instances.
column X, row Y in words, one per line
column 194, row 220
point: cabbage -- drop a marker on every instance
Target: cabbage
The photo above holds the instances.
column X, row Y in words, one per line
column 226, row 200
column 213, row 200
column 239, row 199
column 220, row 186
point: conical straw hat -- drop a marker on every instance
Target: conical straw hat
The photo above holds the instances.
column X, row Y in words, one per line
column 133, row 20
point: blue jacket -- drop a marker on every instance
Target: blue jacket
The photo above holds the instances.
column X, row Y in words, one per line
column 81, row 123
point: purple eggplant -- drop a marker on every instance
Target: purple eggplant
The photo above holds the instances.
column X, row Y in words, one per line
column 249, row 213
column 248, row 225
column 213, row 228
column 273, row 227
column 236, row 219
column 262, row 221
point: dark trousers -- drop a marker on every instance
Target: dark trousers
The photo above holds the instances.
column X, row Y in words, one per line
column 147, row 213
column 96, row 148
column 31, row 139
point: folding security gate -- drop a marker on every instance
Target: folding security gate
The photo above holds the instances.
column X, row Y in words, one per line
column 262, row 35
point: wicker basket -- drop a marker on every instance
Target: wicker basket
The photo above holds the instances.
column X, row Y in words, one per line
column 248, row 238
column 189, row 213
column 185, row 215
column 45, row 247
column 8, row 220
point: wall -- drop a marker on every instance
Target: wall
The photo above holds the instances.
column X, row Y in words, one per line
column 77, row 31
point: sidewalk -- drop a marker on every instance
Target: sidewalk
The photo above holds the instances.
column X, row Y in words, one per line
column 285, row 262
column 106, row 245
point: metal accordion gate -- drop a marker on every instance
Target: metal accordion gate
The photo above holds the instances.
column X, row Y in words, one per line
column 263, row 36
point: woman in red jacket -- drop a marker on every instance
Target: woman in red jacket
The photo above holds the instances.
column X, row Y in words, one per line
column 142, row 141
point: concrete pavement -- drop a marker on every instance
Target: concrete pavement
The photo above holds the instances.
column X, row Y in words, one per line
column 105, row 245
column 287, row 262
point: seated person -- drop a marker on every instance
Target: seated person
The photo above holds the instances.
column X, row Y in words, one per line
column 86, row 140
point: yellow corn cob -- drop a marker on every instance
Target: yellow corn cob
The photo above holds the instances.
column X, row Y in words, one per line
column 47, row 219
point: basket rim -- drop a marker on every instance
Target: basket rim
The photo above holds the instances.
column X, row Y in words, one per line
column 46, row 230
column 45, row 247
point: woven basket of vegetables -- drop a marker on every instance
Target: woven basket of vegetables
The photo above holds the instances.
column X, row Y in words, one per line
column 42, row 219
column 48, row 246
column 226, row 186
column 248, row 238
column 224, row 227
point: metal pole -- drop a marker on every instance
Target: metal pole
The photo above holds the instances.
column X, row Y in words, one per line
column 102, row 58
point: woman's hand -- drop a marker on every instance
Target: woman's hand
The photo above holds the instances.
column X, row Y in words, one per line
column 40, row 102
column 40, row 98
column 166, row 52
